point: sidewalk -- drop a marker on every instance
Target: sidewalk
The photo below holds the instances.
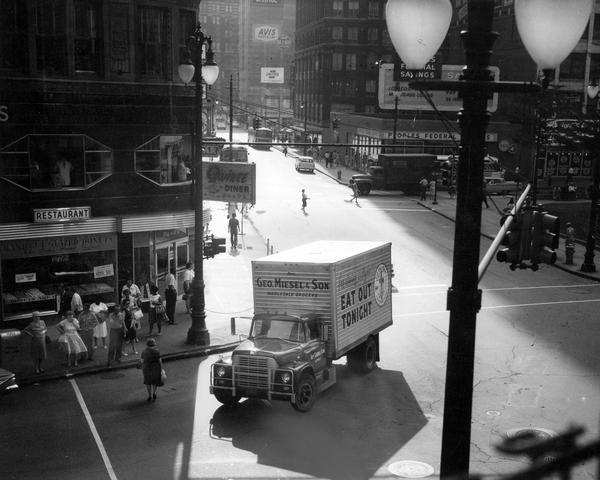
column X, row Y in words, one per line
column 226, row 273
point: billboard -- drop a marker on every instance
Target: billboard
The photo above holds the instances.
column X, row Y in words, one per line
column 409, row 99
column 269, row 2
column 229, row 182
column 266, row 33
column 271, row 75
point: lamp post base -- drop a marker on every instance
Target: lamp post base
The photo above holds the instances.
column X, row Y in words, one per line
column 198, row 337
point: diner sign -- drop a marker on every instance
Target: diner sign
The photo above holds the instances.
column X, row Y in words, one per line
column 66, row 214
column 229, row 181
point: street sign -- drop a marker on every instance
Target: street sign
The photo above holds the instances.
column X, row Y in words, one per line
column 409, row 99
column 211, row 150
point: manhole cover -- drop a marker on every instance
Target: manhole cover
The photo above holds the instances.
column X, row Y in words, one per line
column 493, row 413
column 411, row 469
column 533, row 435
column 112, row 375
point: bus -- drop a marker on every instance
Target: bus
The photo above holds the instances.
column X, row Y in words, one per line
column 234, row 153
column 260, row 135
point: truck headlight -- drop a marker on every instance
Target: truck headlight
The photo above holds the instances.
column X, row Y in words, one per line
column 286, row 377
column 220, row 371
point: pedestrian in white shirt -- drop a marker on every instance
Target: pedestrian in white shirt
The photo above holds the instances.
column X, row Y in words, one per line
column 171, row 295
column 188, row 278
column 76, row 303
column 134, row 292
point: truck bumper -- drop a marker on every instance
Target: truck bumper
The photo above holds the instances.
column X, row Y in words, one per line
column 255, row 393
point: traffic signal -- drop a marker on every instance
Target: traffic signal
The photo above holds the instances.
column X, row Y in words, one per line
column 218, row 245
column 256, row 123
column 544, row 238
column 517, row 240
column 207, row 248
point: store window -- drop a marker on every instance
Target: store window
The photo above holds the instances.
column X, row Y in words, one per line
column 166, row 159
column 152, row 42
column 40, row 162
column 13, row 34
column 51, row 36
column 87, row 40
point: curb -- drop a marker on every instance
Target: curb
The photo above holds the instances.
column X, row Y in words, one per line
column 168, row 357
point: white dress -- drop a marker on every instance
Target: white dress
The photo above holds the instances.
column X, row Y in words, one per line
column 101, row 310
column 70, row 340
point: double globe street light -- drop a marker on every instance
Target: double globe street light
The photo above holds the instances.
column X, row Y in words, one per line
column 200, row 63
column 549, row 29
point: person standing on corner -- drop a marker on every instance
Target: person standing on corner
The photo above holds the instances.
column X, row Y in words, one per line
column 37, row 330
column 151, row 368
column 116, row 334
column 100, row 309
column 423, row 186
column 76, row 303
column 188, row 278
column 171, row 295
column 233, row 227
column 155, row 312
column 88, row 321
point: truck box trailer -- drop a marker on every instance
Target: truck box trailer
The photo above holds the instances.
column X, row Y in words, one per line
column 312, row 305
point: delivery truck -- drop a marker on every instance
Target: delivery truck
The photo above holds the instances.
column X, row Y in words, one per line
column 312, row 305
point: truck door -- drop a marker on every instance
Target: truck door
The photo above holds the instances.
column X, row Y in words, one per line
column 315, row 350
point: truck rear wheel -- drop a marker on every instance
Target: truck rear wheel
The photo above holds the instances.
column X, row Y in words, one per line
column 363, row 358
column 226, row 398
column 306, row 393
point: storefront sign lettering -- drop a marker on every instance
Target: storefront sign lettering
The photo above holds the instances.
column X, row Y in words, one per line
column 229, row 181
column 3, row 113
column 25, row 277
column 103, row 271
column 356, row 304
column 40, row 247
column 68, row 214
column 266, row 33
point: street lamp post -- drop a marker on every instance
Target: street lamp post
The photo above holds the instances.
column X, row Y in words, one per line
column 207, row 71
column 417, row 29
column 588, row 264
column 305, row 111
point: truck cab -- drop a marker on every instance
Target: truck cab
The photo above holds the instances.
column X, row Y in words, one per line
column 283, row 358
column 372, row 180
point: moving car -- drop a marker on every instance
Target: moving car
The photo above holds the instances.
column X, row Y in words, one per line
column 502, row 187
column 305, row 163
column 7, row 381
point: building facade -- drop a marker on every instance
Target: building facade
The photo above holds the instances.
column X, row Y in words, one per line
column 96, row 152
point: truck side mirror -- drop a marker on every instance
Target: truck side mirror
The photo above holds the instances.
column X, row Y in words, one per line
column 232, row 325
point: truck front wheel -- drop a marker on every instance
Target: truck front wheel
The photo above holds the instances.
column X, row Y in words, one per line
column 226, row 398
column 363, row 358
column 306, row 393
column 364, row 189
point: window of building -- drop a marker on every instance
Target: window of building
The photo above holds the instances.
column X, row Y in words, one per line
column 353, row 34
column 373, row 35
column 337, row 62
column 87, row 39
column 55, row 162
column 215, row 20
column 373, row 9
column 166, row 159
column 338, row 8
column 152, row 41
column 51, row 36
column 337, row 87
column 371, row 87
column 385, row 38
column 337, row 33
column 13, row 34
column 187, row 24
column 353, row 8
column 349, row 88
column 350, row 61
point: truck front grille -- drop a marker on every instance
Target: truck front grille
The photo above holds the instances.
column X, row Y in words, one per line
column 251, row 371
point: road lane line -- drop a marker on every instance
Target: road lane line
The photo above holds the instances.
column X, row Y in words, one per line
column 495, row 307
column 88, row 418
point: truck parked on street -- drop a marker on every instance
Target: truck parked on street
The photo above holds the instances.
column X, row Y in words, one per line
column 312, row 305
column 396, row 171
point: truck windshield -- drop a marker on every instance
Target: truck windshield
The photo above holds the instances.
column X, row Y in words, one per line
column 290, row 330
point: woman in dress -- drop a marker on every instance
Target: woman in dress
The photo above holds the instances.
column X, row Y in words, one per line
column 130, row 331
column 100, row 330
column 151, row 368
column 153, row 315
column 37, row 330
column 88, row 321
column 116, row 333
column 69, row 339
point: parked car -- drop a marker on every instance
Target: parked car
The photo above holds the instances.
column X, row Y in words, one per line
column 502, row 187
column 7, row 381
column 305, row 163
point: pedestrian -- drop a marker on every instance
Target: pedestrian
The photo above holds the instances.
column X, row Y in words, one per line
column 156, row 310
column 327, row 155
column 116, row 333
column 37, row 331
column 76, row 303
column 484, row 194
column 188, row 278
column 100, row 309
column 65, row 300
column 233, row 227
column 151, row 368
column 355, row 192
column 88, row 321
column 423, row 185
column 285, row 151
column 171, row 295
column 130, row 329
column 304, row 199
column 452, row 190
column 134, row 292
column 69, row 339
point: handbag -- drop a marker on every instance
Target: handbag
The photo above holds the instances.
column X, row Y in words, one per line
column 163, row 376
column 160, row 309
column 138, row 314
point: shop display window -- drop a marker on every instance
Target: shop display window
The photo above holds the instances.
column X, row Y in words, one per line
column 36, row 283
column 40, row 162
column 166, row 159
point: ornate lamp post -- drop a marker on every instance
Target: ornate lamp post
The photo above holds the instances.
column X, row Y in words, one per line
column 207, row 71
column 305, row 112
column 417, row 28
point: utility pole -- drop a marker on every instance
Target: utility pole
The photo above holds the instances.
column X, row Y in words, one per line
column 231, row 108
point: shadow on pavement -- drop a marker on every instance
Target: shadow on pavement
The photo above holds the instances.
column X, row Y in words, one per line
column 353, row 430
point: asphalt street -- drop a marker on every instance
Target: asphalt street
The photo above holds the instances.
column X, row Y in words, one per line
column 536, row 367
